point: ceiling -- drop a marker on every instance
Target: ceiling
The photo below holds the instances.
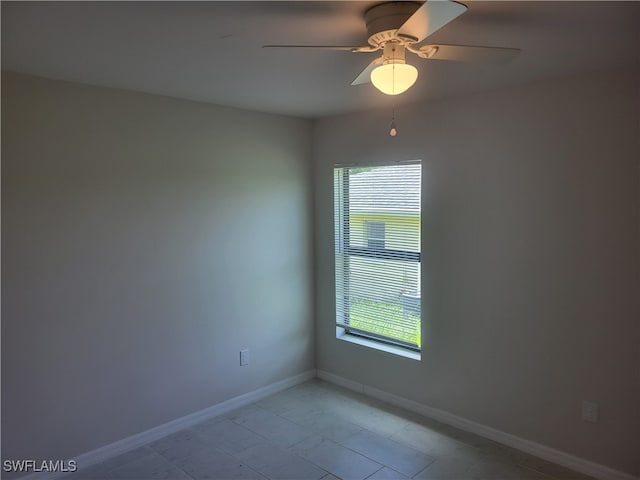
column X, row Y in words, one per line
column 211, row 51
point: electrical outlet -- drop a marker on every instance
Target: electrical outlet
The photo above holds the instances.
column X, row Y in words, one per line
column 244, row 357
column 589, row 411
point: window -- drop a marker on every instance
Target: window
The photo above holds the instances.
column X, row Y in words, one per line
column 375, row 234
column 377, row 251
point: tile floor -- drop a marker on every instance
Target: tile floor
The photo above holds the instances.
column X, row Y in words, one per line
column 317, row 430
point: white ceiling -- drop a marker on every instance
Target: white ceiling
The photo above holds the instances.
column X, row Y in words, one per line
column 211, row 51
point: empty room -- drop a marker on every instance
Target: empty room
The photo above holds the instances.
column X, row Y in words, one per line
column 308, row 240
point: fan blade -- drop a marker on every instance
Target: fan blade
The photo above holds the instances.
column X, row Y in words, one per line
column 466, row 53
column 431, row 16
column 365, row 75
column 322, row 47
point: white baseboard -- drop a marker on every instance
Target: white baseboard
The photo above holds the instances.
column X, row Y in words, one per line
column 564, row 459
column 101, row 454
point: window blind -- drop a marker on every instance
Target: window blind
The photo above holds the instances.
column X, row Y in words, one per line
column 377, row 216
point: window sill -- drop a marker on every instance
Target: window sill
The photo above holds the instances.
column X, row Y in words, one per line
column 384, row 347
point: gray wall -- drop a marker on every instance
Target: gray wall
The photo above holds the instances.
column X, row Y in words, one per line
column 531, row 259
column 145, row 241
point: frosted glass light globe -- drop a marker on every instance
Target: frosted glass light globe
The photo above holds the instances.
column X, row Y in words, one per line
column 394, row 78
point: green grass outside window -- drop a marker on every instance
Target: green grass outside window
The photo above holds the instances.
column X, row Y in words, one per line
column 367, row 315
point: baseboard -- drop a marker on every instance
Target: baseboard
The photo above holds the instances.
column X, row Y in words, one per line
column 564, row 459
column 101, row 454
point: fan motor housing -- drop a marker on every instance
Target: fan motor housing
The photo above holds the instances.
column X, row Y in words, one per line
column 384, row 20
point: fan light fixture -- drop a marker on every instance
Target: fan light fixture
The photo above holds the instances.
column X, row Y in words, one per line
column 393, row 75
column 394, row 78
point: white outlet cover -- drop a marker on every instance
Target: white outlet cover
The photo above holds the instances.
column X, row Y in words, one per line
column 244, row 357
column 589, row 411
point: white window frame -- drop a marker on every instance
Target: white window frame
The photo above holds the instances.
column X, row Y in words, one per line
column 342, row 240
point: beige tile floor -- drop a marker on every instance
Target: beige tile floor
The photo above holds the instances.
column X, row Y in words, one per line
column 320, row 431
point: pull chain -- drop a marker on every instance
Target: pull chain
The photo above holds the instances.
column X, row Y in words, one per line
column 393, row 131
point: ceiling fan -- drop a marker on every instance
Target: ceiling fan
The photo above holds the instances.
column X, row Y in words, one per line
column 399, row 27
